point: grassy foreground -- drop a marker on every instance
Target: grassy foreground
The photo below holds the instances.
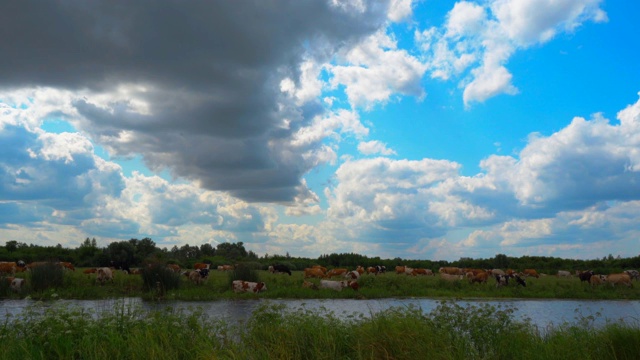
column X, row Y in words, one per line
column 449, row 332
column 76, row 285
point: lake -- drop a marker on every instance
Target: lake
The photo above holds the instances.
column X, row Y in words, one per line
column 543, row 313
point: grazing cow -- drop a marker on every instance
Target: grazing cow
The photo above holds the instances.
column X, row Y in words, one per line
column 309, row 285
column 313, row 272
column 494, row 272
column 199, row 266
column 89, row 271
column 422, row 272
column 450, row 270
column 121, row 265
column 240, row 286
column 503, row 280
column 585, row 275
column 16, row 284
column 450, row 277
column 338, row 285
column 198, row 276
column 280, row 269
column 564, row 273
column 531, row 272
column 378, row 269
column 634, row 274
column 103, row 275
column 597, row 279
column 335, row 272
column 360, row 270
column 225, row 267
column 353, row 275
column 478, row 278
column 622, row 278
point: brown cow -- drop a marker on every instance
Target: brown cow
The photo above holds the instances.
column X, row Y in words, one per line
column 422, row 272
column 174, row 267
column 478, row 278
column 313, row 272
column 615, row 279
column 597, row 279
column 309, row 285
column 531, row 272
column 198, row 266
column 335, row 272
column 451, row 270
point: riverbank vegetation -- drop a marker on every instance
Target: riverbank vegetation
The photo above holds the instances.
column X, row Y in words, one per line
column 450, row 331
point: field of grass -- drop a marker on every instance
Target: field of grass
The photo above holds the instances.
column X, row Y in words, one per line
column 76, row 285
column 450, row 331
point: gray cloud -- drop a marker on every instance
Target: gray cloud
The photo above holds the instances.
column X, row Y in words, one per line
column 208, row 73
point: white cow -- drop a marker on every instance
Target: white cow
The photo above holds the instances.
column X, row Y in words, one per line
column 563, row 273
column 240, row 286
column 103, row 275
column 338, row 285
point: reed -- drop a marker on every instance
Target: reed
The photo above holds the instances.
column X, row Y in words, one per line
column 450, row 331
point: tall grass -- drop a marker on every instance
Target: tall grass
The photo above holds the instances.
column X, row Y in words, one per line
column 448, row 332
column 46, row 276
column 158, row 278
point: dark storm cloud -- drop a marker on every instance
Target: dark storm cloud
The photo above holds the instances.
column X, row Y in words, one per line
column 211, row 73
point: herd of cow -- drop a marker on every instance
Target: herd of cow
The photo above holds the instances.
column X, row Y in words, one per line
column 348, row 279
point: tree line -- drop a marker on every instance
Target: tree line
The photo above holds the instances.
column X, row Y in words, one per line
column 135, row 252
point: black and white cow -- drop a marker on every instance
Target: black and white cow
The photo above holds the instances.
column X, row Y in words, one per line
column 279, row 268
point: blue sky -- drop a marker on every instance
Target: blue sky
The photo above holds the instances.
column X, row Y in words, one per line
column 412, row 129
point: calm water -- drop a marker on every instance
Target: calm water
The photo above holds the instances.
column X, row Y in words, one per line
column 543, row 313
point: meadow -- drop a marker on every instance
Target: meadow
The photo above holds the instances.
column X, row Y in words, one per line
column 76, row 285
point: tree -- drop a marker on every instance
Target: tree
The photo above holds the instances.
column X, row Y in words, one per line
column 12, row 245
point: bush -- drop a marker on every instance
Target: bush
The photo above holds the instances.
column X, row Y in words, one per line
column 160, row 278
column 47, row 275
column 243, row 272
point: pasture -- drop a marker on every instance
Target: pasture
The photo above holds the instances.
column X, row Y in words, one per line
column 77, row 285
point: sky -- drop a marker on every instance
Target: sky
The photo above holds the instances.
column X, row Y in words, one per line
column 414, row 129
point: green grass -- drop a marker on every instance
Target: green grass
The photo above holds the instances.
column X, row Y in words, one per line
column 450, row 331
column 77, row 285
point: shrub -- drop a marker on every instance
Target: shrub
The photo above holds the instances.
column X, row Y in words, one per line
column 160, row 278
column 243, row 272
column 47, row 275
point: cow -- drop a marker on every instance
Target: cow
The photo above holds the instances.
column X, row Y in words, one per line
column 400, row 269
column 7, row 267
column 173, row 267
column 622, row 278
column 240, row 286
column 520, row 280
column 322, row 268
column 225, row 267
column 89, row 271
column 198, row 266
column 103, row 275
column 360, row 270
column 494, row 272
column 564, row 273
column 353, row 275
column 198, row 276
column 531, row 272
column 313, row 272
column 502, row 280
column 338, row 285
column 121, row 265
column 422, row 272
column 16, row 284
column 478, row 278
column 67, row 265
column 280, row 269
column 378, row 269
column 450, row 277
column 309, row 285
column 585, row 275
column 450, row 270
column 634, row 274
column 597, row 279
column 335, row 272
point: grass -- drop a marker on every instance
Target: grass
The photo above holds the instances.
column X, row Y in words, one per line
column 450, row 331
column 77, row 285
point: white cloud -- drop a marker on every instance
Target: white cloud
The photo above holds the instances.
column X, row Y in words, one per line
column 400, row 10
column 375, row 70
column 374, row 147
